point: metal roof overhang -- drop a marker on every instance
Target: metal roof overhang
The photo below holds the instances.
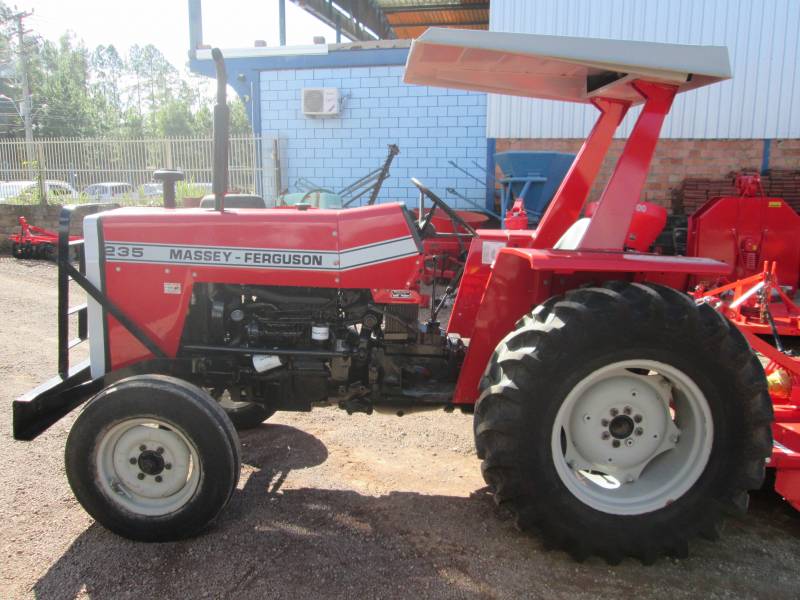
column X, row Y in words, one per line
column 558, row 68
column 366, row 20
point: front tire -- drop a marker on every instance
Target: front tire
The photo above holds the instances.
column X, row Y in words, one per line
column 623, row 421
column 152, row 458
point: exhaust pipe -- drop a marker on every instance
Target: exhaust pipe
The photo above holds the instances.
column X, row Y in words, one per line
column 219, row 185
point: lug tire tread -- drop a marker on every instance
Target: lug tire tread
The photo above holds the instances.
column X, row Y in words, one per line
column 541, row 349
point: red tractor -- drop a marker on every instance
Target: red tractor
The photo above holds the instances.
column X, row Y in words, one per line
column 613, row 414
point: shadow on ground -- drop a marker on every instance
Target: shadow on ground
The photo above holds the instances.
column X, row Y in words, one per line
column 326, row 543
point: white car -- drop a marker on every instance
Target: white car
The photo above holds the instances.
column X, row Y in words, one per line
column 236, row 201
column 106, row 192
column 151, row 190
column 10, row 190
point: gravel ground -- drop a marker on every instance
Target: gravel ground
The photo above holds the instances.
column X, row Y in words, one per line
column 328, row 506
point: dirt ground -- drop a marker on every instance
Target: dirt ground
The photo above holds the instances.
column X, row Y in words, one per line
column 328, row 506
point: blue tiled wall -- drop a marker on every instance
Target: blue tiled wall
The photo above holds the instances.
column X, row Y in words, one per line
column 430, row 125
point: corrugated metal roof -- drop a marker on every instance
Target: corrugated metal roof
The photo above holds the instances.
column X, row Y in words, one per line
column 762, row 39
column 410, row 18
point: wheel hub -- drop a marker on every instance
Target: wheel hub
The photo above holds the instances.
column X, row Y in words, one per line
column 151, row 462
column 621, row 427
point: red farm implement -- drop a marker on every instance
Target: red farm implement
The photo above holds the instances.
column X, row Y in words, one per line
column 34, row 242
column 613, row 414
column 745, row 231
column 760, row 307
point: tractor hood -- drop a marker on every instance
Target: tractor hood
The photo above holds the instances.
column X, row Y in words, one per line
column 558, row 68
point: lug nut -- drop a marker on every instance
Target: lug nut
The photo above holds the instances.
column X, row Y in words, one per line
column 615, row 443
column 168, row 466
column 614, row 412
column 140, row 475
column 158, row 478
column 142, row 448
column 604, row 422
column 627, row 410
column 605, row 435
column 160, row 450
column 637, row 418
column 629, row 442
column 133, row 461
column 638, row 431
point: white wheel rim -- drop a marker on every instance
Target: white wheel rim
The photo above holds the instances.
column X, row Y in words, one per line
column 147, row 466
column 626, row 443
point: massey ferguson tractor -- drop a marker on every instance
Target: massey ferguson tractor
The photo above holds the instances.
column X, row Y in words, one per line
column 614, row 415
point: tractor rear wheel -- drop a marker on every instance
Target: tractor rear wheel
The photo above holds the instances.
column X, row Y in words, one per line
column 623, row 420
column 153, row 458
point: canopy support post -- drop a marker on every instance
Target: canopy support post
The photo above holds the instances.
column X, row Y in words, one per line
column 610, row 222
column 568, row 201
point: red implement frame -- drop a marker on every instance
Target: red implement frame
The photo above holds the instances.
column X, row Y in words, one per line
column 748, row 303
column 743, row 303
column 786, row 427
column 32, row 240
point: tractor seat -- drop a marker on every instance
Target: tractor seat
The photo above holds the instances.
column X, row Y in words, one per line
column 573, row 236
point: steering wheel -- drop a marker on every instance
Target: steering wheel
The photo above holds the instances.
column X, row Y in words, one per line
column 439, row 203
column 316, row 191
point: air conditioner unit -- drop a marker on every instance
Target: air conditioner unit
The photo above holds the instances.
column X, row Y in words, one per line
column 320, row 102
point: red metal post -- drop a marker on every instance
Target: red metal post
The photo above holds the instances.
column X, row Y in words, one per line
column 571, row 195
column 609, row 226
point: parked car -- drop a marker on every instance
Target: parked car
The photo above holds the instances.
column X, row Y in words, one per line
column 191, row 189
column 108, row 191
column 152, row 189
column 28, row 189
column 235, row 201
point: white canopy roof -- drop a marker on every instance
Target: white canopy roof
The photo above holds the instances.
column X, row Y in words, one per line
column 558, row 68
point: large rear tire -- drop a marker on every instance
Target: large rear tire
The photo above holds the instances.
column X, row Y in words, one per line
column 153, row 458
column 623, row 421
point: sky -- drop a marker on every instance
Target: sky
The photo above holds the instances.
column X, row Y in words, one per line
column 165, row 23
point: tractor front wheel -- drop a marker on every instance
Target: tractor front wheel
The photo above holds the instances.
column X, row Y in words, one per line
column 153, row 458
column 622, row 421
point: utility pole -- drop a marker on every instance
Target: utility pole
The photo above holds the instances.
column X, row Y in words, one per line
column 26, row 90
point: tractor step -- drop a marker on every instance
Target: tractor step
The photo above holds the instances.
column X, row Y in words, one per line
column 76, row 309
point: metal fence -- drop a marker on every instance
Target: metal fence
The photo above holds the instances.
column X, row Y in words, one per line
column 254, row 161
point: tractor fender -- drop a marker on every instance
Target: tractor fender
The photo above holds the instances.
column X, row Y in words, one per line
column 509, row 294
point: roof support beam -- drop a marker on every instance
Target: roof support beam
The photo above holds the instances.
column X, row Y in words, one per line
column 362, row 14
column 387, row 10
column 439, row 24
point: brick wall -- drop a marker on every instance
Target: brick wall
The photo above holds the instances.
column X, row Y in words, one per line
column 430, row 125
column 675, row 160
column 41, row 216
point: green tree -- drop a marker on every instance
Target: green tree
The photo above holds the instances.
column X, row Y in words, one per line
column 64, row 106
column 78, row 92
